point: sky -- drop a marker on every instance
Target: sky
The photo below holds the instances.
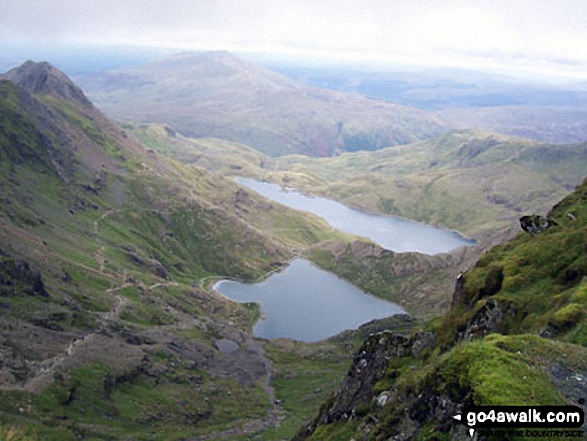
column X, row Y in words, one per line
column 537, row 37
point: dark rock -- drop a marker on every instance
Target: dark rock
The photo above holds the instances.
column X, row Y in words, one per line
column 17, row 278
column 156, row 267
column 534, row 224
column 485, row 321
column 421, row 341
column 459, row 292
column 572, row 385
column 159, row 270
column 368, row 367
column 548, row 332
column 134, row 257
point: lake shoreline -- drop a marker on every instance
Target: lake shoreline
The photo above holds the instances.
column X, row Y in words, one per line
column 315, row 304
column 394, row 233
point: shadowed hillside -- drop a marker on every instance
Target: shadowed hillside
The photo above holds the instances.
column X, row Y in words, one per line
column 215, row 94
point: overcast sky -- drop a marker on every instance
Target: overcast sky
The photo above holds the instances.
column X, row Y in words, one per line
column 543, row 37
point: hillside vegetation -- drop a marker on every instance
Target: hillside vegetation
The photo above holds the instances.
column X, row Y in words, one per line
column 476, row 182
column 515, row 335
column 106, row 328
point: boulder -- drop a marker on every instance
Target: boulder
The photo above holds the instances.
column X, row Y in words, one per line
column 534, row 224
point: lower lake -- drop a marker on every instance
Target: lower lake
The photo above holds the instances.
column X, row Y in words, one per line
column 306, row 303
column 390, row 232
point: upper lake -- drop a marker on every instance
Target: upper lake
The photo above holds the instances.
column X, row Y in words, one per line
column 306, row 303
column 390, row 232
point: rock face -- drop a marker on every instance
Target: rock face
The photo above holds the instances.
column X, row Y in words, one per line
column 571, row 385
column 17, row 278
column 368, row 367
column 42, row 78
column 535, row 224
column 485, row 321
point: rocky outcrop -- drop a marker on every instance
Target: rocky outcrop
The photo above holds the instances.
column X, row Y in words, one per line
column 485, row 321
column 368, row 367
column 571, row 384
column 42, row 78
column 17, row 278
column 534, row 224
column 153, row 265
column 158, row 269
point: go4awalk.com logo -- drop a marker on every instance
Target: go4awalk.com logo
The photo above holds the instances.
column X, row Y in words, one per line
column 524, row 421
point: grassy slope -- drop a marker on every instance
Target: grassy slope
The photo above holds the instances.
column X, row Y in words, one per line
column 543, row 287
column 90, row 211
column 477, row 182
column 473, row 181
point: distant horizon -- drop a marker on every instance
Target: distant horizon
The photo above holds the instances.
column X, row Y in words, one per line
column 527, row 38
column 88, row 58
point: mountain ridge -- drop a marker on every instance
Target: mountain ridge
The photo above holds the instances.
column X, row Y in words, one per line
column 219, row 95
column 107, row 326
column 43, row 78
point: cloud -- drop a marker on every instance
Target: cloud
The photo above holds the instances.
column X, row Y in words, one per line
column 425, row 30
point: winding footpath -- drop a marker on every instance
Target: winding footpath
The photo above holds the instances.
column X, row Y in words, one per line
column 47, row 368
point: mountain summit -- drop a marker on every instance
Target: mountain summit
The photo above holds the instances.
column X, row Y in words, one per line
column 43, row 78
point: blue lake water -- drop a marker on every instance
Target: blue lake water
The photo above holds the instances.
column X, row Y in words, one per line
column 390, row 232
column 306, row 303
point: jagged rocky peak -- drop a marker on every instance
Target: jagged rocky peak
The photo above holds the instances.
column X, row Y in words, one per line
column 43, row 78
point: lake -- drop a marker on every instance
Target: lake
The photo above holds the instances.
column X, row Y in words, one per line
column 390, row 232
column 306, row 303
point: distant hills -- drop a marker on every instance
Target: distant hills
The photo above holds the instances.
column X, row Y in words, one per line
column 216, row 94
column 463, row 98
column 555, row 124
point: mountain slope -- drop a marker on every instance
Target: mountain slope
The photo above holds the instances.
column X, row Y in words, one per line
column 473, row 181
column 106, row 330
column 217, row 95
column 515, row 335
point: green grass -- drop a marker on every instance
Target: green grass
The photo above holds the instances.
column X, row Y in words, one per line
column 304, row 376
column 335, row 432
column 392, row 276
column 101, row 217
column 538, row 282
column 496, row 376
